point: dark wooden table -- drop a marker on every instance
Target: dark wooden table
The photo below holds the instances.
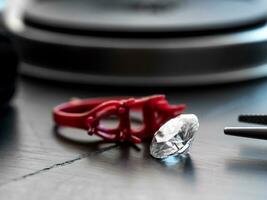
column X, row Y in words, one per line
column 37, row 162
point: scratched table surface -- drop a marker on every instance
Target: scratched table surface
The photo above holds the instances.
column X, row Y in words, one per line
column 38, row 162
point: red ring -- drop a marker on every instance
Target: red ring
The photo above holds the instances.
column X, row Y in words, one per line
column 86, row 114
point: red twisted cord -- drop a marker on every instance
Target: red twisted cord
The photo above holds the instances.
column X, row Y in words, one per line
column 86, row 114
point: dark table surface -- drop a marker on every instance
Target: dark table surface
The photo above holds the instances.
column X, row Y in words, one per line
column 36, row 162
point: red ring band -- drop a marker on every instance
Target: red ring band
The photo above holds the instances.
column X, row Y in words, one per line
column 86, row 114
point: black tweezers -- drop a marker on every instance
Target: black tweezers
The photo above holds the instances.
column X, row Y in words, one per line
column 249, row 132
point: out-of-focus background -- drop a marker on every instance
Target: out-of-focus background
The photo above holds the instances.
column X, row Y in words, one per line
column 208, row 54
column 139, row 42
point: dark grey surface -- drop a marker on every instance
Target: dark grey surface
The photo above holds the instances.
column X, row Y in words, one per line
column 36, row 163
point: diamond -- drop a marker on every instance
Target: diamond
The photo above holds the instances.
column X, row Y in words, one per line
column 175, row 136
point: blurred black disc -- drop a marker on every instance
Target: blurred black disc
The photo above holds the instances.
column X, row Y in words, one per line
column 141, row 16
column 8, row 63
column 141, row 42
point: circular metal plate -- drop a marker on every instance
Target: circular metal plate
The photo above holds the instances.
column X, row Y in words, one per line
column 182, row 61
column 199, row 59
column 145, row 15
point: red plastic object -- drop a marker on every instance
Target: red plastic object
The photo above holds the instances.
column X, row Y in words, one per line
column 86, row 114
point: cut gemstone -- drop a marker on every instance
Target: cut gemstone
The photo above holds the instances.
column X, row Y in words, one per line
column 175, row 136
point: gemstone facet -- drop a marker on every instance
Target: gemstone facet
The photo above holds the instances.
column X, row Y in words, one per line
column 174, row 137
